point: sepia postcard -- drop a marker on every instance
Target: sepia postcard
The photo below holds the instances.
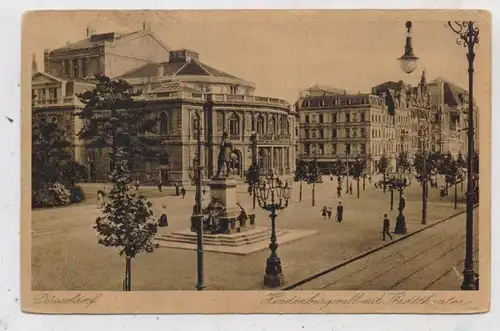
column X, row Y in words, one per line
column 256, row 161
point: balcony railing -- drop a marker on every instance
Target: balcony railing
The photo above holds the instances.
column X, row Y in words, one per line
column 274, row 137
column 65, row 101
column 236, row 98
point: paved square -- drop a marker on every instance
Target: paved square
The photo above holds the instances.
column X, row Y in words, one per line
column 66, row 255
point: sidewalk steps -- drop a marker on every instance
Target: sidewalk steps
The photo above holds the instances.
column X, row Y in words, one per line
column 233, row 240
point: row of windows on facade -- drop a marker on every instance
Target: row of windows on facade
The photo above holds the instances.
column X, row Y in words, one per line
column 44, row 94
column 74, row 68
column 349, row 132
column 352, row 116
column 340, row 102
column 378, row 149
column 319, row 149
column 257, row 124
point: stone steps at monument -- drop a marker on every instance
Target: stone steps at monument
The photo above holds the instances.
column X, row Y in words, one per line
column 233, row 240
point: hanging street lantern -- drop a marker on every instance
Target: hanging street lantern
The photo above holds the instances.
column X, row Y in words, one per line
column 408, row 61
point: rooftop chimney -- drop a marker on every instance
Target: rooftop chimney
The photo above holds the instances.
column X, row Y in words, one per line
column 146, row 26
column 160, row 71
column 90, row 31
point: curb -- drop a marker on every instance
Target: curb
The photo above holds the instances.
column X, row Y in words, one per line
column 371, row 251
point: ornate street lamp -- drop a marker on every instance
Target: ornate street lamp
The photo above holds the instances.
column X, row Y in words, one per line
column 399, row 182
column 408, row 61
column 273, row 195
column 468, row 36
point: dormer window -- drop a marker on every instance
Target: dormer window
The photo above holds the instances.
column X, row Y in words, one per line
column 183, row 55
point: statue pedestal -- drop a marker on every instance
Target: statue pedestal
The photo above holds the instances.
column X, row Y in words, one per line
column 231, row 220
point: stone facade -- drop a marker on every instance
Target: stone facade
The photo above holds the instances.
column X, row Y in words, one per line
column 175, row 85
column 395, row 117
column 337, row 125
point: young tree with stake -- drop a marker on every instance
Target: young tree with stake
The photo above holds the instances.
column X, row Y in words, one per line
column 113, row 119
column 127, row 222
column 338, row 170
column 358, row 170
column 452, row 176
column 383, row 167
column 301, row 172
column 313, row 177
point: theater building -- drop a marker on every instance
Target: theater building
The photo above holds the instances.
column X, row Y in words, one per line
column 175, row 86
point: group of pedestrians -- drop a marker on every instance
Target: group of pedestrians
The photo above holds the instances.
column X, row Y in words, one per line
column 327, row 212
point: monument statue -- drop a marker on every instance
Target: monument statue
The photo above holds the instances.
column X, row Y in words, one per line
column 224, row 160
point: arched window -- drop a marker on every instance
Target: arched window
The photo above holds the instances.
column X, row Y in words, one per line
column 271, row 125
column 163, row 124
column 234, row 126
column 260, row 124
column 220, row 122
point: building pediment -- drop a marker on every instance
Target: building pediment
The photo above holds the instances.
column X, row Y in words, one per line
column 41, row 78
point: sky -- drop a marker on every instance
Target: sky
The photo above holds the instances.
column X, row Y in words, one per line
column 284, row 52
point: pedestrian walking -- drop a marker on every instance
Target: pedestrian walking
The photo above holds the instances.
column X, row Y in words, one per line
column 331, row 178
column 339, row 192
column 137, row 185
column 329, row 213
column 350, row 189
column 340, row 212
column 323, row 212
column 100, row 198
column 183, row 192
column 369, row 179
column 177, row 189
column 163, row 218
column 160, row 185
column 385, row 229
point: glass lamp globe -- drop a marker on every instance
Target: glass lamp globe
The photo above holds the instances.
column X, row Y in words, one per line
column 408, row 63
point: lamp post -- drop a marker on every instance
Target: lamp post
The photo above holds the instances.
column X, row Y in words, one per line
column 423, row 134
column 346, row 171
column 399, row 182
column 468, row 36
column 255, row 166
column 408, row 61
column 208, row 110
column 198, row 217
column 273, row 195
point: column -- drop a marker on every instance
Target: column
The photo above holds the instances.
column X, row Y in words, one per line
column 272, row 158
column 71, row 68
column 80, row 68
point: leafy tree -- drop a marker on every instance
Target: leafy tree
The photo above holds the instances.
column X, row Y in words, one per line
column 301, row 174
column 338, row 170
column 50, row 152
column 446, row 161
column 127, row 222
column 113, row 119
column 358, row 169
column 403, row 162
column 75, row 172
column 424, row 175
column 313, row 177
column 54, row 173
column 383, row 167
